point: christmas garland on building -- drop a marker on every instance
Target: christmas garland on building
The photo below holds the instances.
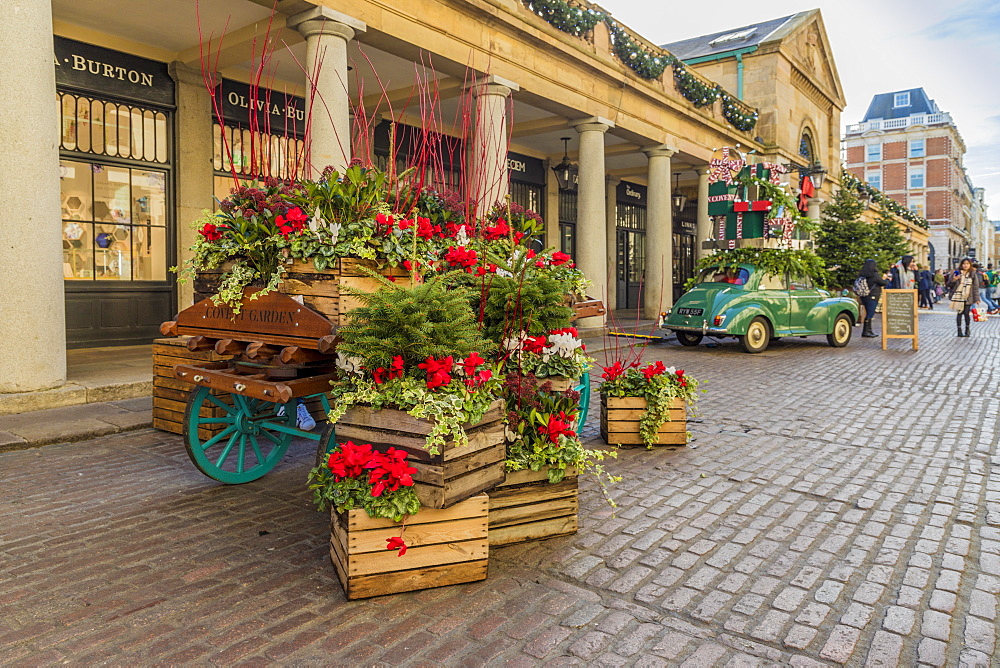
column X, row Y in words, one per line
column 572, row 19
column 851, row 182
column 646, row 63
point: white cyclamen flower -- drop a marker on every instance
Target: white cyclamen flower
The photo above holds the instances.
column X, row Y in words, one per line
column 349, row 364
column 334, row 232
column 671, row 369
column 315, row 221
column 462, row 238
column 564, row 345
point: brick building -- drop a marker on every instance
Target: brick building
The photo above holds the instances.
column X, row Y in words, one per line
column 912, row 151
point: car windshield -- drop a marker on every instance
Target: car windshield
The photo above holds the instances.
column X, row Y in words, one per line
column 738, row 276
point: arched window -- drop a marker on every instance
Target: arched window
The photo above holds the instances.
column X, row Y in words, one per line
column 806, row 148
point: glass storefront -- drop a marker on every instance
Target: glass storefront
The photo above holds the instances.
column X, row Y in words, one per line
column 631, row 246
column 115, row 177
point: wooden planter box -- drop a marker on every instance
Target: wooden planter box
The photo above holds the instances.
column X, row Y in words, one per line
column 526, row 506
column 319, row 290
column 559, row 383
column 444, row 547
column 620, row 422
column 444, row 479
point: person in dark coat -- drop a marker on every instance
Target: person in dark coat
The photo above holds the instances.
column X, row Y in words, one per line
column 925, row 284
column 964, row 285
column 869, row 271
column 904, row 276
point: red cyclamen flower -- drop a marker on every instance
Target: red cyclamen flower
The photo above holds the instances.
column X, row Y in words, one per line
column 560, row 258
column 653, row 370
column 613, row 371
column 212, row 232
column 293, row 221
column 396, row 543
column 438, row 371
column 558, row 425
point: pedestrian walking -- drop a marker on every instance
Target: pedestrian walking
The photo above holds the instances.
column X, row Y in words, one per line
column 904, row 276
column 964, row 287
column 939, row 285
column 925, row 283
column 992, row 279
column 875, row 281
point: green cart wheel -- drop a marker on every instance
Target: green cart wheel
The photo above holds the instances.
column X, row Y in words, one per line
column 252, row 440
column 584, row 389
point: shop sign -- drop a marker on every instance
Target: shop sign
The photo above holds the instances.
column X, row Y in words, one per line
column 685, row 227
column 95, row 69
column 525, row 169
column 630, row 193
column 273, row 111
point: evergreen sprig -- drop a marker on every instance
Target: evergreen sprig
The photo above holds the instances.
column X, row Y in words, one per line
column 425, row 320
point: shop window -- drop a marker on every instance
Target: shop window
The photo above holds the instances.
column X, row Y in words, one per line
column 101, row 127
column 257, row 153
column 114, row 222
column 567, row 222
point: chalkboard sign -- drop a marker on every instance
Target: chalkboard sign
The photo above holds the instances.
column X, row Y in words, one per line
column 899, row 316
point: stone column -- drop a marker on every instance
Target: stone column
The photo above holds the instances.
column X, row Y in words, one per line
column 611, row 201
column 814, row 207
column 591, row 214
column 489, row 176
column 328, row 107
column 704, row 222
column 194, row 155
column 32, row 304
column 659, row 283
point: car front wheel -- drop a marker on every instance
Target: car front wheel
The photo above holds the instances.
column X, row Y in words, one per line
column 841, row 333
column 757, row 337
column 688, row 338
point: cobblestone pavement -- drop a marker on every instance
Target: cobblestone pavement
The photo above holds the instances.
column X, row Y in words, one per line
column 837, row 506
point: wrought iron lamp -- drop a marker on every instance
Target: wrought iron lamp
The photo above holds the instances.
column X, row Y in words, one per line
column 678, row 199
column 565, row 171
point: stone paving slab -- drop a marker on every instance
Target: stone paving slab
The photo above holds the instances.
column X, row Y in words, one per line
column 801, row 528
column 74, row 423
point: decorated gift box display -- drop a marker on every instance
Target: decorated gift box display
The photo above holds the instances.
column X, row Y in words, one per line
column 750, row 205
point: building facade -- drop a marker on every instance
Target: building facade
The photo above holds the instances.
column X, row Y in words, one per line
column 913, row 152
column 151, row 118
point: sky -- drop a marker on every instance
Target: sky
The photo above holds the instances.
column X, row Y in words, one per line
column 949, row 48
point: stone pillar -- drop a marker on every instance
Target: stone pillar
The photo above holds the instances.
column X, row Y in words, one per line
column 32, row 304
column 194, row 155
column 704, row 222
column 659, row 283
column 814, row 207
column 591, row 213
column 611, row 201
column 489, row 176
column 327, row 32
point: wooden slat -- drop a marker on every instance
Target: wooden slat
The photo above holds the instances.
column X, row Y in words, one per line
column 265, row 318
column 632, row 426
column 367, row 586
column 477, row 506
column 634, row 402
column 317, row 285
column 543, row 508
column 619, row 438
column 419, row 535
column 460, row 487
column 520, row 533
column 637, row 413
column 518, row 478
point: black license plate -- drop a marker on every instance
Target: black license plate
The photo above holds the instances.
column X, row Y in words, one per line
column 690, row 311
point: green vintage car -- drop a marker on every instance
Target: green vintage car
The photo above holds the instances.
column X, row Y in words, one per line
column 756, row 308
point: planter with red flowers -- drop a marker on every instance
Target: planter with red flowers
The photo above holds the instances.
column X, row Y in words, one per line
column 645, row 406
column 415, row 377
column 381, row 540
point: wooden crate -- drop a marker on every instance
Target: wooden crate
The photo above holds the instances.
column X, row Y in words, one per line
column 620, row 422
column 558, row 383
column 170, row 396
column 444, row 479
column 444, row 547
column 526, row 506
column 319, row 290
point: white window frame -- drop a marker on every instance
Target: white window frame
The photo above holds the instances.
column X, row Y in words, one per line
column 913, row 171
column 874, row 179
column 917, row 148
column 916, row 205
column 873, row 150
column 900, row 100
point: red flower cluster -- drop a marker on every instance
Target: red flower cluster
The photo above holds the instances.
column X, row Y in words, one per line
column 681, row 380
column 381, row 374
column 212, row 232
column 386, row 221
column 438, row 371
column 387, row 471
column 566, row 330
column 452, row 229
column 498, row 231
column 535, row 344
column 460, row 256
column 488, row 269
column 559, row 424
column 613, row 371
column 475, row 378
column 294, row 220
column 424, row 229
column 653, row 370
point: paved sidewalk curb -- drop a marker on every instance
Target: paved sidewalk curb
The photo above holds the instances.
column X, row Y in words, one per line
column 74, row 423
